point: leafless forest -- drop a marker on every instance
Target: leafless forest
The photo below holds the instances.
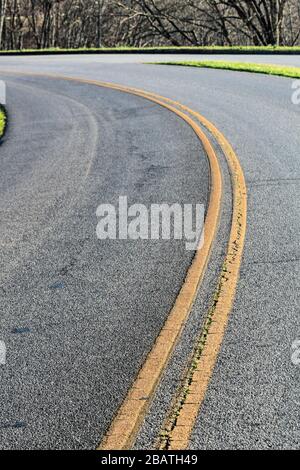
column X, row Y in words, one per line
column 109, row 23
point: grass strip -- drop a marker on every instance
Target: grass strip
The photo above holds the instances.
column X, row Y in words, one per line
column 162, row 50
column 269, row 69
column 3, row 121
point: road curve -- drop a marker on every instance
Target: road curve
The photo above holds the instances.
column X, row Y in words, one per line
column 79, row 315
column 252, row 401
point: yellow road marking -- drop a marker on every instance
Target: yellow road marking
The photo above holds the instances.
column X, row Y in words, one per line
column 180, row 435
column 125, row 426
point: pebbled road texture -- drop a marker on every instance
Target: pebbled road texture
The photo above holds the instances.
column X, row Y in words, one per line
column 78, row 316
column 253, row 399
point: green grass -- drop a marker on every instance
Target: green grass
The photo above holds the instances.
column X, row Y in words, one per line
column 184, row 49
column 2, row 121
column 279, row 70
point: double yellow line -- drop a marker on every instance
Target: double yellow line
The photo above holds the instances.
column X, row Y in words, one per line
column 123, row 431
column 126, row 424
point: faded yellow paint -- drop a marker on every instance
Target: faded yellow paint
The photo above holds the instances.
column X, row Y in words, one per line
column 122, row 432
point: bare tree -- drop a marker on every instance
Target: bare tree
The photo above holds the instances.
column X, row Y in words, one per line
column 3, row 5
column 261, row 21
column 98, row 23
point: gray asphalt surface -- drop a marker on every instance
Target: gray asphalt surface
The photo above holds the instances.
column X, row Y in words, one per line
column 79, row 315
column 69, row 60
column 253, row 399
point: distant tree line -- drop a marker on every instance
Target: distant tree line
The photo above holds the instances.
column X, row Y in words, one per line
column 109, row 23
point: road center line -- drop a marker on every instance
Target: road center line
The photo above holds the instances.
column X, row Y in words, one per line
column 124, row 428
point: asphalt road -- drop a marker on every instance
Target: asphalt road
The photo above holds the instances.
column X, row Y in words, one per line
column 79, row 315
column 253, row 399
column 65, row 60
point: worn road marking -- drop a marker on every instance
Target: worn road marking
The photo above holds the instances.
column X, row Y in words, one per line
column 210, row 341
column 123, row 430
column 126, row 424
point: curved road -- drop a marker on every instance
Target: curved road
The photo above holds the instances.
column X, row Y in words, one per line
column 111, row 144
